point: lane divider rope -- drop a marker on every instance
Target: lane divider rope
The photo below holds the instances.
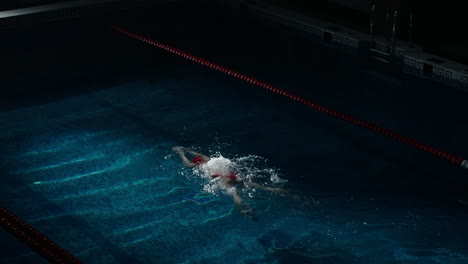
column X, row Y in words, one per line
column 35, row 239
column 432, row 150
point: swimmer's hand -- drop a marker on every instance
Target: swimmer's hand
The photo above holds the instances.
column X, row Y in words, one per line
column 178, row 149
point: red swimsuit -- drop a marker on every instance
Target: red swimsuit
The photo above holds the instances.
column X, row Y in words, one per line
column 197, row 160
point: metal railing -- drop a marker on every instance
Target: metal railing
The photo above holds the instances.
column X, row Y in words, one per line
column 390, row 33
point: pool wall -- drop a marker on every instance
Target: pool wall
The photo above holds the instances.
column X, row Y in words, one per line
column 409, row 59
column 66, row 10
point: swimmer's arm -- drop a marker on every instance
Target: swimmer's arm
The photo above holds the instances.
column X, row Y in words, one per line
column 198, row 154
column 179, row 150
column 187, row 161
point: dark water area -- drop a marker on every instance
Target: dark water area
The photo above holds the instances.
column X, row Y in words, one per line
column 89, row 118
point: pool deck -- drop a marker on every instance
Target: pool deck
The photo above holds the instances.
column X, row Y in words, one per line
column 410, row 58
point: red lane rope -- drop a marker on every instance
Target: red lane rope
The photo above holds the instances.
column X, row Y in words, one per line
column 434, row 151
column 35, row 240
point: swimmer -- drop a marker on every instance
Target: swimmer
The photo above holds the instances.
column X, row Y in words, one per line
column 226, row 176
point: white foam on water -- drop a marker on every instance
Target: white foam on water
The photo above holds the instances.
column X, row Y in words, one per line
column 216, row 166
column 249, row 168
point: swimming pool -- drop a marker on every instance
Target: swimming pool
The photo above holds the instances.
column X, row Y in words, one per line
column 86, row 147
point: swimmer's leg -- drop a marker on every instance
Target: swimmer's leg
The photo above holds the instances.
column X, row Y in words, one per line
column 271, row 189
column 238, row 200
column 244, row 209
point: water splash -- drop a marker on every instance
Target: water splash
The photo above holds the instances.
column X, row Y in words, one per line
column 256, row 168
column 248, row 169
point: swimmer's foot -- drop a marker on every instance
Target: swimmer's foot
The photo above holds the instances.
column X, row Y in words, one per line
column 249, row 212
column 246, row 211
column 281, row 191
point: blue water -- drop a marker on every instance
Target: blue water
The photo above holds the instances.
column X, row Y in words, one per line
column 86, row 157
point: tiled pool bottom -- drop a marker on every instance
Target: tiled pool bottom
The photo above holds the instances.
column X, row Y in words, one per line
column 93, row 173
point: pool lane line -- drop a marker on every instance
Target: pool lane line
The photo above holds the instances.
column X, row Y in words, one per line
column 409, row 141
column 35, row 239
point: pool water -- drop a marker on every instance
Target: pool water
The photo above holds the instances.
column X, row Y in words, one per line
column 86, row 147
